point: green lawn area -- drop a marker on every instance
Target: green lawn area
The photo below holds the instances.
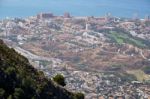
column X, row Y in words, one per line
column 121, row 38
column 45, row 63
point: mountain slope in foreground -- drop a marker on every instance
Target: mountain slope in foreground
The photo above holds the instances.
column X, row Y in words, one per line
column 19, row 80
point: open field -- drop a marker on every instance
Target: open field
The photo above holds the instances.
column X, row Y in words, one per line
column 121, row 38
column 139, row 74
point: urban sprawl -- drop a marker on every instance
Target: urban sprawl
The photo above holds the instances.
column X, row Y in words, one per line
column 103, row 57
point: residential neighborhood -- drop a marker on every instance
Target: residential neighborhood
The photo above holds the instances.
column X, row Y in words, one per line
column 99, row 56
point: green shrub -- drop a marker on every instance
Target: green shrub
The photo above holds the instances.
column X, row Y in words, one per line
column 79, row 95
column 146, row 69
column 19, row 93
column 59, row 79
column 10, row 97
column 10, row 71
column 2, row 92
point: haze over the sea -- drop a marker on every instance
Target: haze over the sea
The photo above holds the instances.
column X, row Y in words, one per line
column 120, row 8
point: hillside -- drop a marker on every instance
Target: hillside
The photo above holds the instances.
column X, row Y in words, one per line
column 96, row 55
column 19, row 80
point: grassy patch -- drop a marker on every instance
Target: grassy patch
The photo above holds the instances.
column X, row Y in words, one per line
column 139, row 74
column 146, row 69
column 45, row 63
column 121, row 38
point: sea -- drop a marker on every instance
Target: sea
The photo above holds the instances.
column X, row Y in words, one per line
column 98, row 8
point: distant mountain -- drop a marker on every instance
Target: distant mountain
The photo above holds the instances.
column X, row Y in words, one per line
column 19, row 80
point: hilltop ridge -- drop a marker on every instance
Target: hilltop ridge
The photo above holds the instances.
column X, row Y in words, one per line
column 19, row 80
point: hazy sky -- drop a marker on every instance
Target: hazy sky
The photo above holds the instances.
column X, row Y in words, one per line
column 76, row 7
column 42, row 3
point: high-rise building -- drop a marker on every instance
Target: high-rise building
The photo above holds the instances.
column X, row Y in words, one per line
column 45, row 15
column 67, row 15
column 147, row 18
